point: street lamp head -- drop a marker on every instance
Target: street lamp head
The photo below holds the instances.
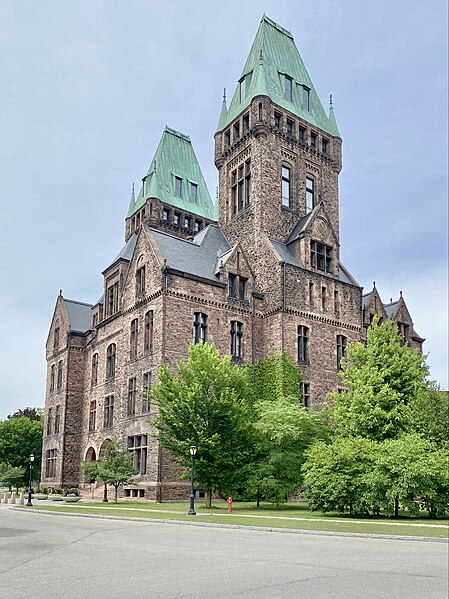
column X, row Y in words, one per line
column 31, row 457
column 192, row 450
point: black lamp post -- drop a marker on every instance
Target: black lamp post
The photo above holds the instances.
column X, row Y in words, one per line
column 29, row 503
column 191, row 511
column 105, row 493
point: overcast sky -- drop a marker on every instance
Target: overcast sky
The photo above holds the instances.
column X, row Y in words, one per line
column 87, row 86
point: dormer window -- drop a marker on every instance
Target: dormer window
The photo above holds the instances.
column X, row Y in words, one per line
column 305, row 98
column 242, row 89
column 320, row 256
column 193, row 192
column 165, row 215
column 288, row 88
column 178, row 187
column 140, row 281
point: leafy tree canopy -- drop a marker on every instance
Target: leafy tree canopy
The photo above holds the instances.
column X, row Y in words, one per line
column 382, row 379
column 31, row 413
column 20, row 437
column 11, row 475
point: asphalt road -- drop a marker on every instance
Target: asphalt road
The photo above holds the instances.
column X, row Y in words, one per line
column 73, row 557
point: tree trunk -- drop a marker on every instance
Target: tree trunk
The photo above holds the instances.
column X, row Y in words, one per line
column 116, row 493
column 258, row 499
column 208, row 498
column 396, row 508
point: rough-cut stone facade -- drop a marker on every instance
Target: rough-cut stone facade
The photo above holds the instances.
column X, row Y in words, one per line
column 271, row 248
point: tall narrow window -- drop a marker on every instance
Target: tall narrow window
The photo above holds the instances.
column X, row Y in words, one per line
column 247, row 182
column 132, row 390
column 303, row 344
column 56, row 338
column 59, row 382
column 236, row 131
column 336, row 302
column 290, row 125
column 145, row 391
column 341, row 349
column 288, row 88
column 311, row 301
column 246, row 122
column 305, row 98
column 193, row 192
column 310, row 194
column 140, row 281
column 240, row 186
column 108, row 414
column 305, row 392
column 57, row 419
column 234, row 192
column 278, row 120
column 320, row 256
column 52, row 378
column 236, row 334
column 148, row 332
column 323, row 299
column 112, row 301
column 187, row 223
column 286, row 186
column 110, row 361
column 165, row 215
column 242, row 287
column 138, row 446
column 199, row 327
column 133, row 339
column 232, row 285
column 178, row 187
column 49, row 421
column 313, row 139
column 94, row 379
column 242, row 89
column 50, row 463
column 197, row 226
column 325, row 145
column 92, row 415
column 302, row 133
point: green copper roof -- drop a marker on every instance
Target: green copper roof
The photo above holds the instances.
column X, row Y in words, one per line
column 272, row 57
column 175, row 159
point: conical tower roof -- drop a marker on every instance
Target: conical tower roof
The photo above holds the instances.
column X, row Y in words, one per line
column 176, row 159
column 273, row 58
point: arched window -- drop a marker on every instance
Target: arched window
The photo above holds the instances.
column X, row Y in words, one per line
column 110, row 361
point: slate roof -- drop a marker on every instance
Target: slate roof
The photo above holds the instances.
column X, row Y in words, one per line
column 80, row 315
column 200, row 257
column 272, row 56
column 390, row 309
column 366, row 298
column 302, row 224
column 126, row 253
column 175, row 157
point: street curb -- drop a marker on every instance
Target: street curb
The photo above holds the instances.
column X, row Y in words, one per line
column 324, row 533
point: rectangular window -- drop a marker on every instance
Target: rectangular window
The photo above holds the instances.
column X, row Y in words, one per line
column 140, row 281
column 165, row 215
column 50, row 463
column 313, row 139
column 197, row 226
column 133, row 339
column 138, row 445
column 305, row 98
column 92, row 415
column 246, row 122
column 49, row 421
column 302, row 133
column 110, row 361
column 193, row 192
column 59, row 381
column 108, row 414
column 341, row 349
column 146, row 391
column 242, row 286
column 288, row 88
column 227, row 137
column 56, row 338
column 323, row 298
column 234, row 192
column 52, row 378
column 112, row 295
column 236, row 334
column 199, row 327
column 132, row 391
column 148, row 332
column 305, row 392
column 310, row 194
column 94, row 379
column 286, row 185
column 320, row 256
column 311, row 302
column 178, row 187
column 232, row 285
column 324, row 145
column 57, row 419
column 277, row 120
column 290, row 126
column 336, row 302
column 187, row 223
column 247, row 182
column 240, row 186
column 236, row 131
column 242, row 89
column 176, row 219
column 303, row 344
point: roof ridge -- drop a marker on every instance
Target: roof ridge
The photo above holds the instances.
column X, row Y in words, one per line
column 276, row 26
column 77, row 302
column 183, row 136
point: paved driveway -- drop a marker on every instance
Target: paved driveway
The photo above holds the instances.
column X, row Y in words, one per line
column 73, row 557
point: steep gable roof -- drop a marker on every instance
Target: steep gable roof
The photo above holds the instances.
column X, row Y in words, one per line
column 80, row 315
column 175, row 157
column 273, row 56
column 126, row 253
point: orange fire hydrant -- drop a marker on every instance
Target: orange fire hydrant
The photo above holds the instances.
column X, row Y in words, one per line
column 230, row 505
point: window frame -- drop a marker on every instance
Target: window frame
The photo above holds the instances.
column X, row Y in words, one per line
column 286, row 184
column 199, row 328
column 303, row 336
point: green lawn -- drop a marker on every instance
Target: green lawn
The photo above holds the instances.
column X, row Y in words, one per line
column 293, row 516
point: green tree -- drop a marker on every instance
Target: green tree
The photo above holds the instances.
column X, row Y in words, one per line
column 429, row 415
column 19, row 437
column 116, row 469
column 335, row 474
column 382, row 379
column 11, row 475
column 31, row 413
column 205, row 404
column 410, row 472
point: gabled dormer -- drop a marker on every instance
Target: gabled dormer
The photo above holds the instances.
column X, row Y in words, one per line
column 234, row 270
column 398, row 312
column 174, row 195
column 371, row 306
column 114, row 278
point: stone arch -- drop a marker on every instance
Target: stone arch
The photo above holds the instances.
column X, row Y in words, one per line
column 91, row 455
column 103, row 449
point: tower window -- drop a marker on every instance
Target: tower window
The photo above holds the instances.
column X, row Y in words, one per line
column 247, row 182
column 320, row 256
column 236, row 334
column 140, row 281
column 112, row 295
column 325, row 145
column 303, row 344
column 145, row 392
column 138, row 446
column 49, row 421
column 286, row 186
column 132, row 392
column 197, row 226
column 187, row 223
column 165, row 215
column 148, row 332
column 133, row 339
column 56, row 338
column 236, row 131
column 313, row 139
column 50, row 463
column 178, row 187
column 176, row 219
column 277, row 120
column 110, row 361
column 52, row 378
column 242, row 89
column 57, row 419
column 288, row 88
column 246, row 122
column 199, row 327
column 323, row 298
column 193, row 192
column 290, row 126
column 310, row 194
column 94, row 380
column 59, row 381
column 302, row 133
column 305, row 98
column 341, row 349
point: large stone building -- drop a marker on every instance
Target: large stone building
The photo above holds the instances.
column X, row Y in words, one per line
column 256, row 274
